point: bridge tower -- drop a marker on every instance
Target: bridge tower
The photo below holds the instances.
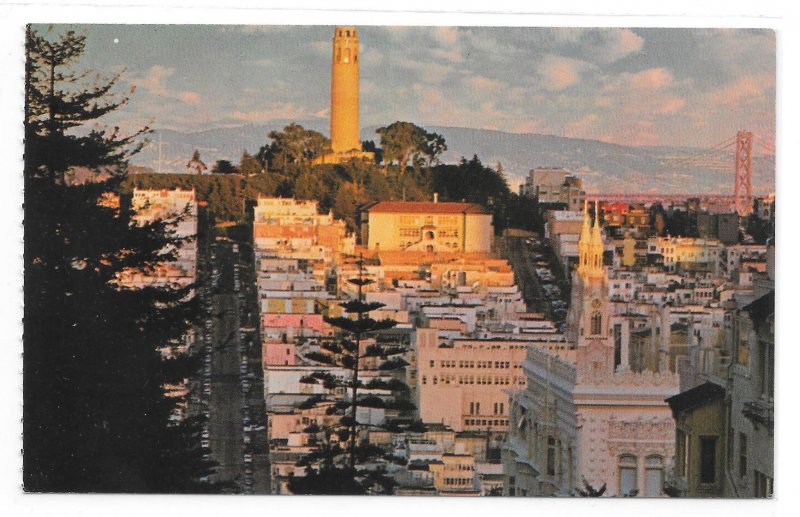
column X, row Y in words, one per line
column 743, row 192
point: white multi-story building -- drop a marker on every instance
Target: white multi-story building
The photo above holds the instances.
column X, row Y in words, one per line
column 178, row 207
column 587, row 413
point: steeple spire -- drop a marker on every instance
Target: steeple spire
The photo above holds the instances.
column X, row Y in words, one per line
column 583, row 242
column 596, row 245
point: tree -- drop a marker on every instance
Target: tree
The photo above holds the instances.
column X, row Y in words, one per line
column 590, row 491
column 370, row 147
column 95, row 413
column 332, row 468
column 295, row 145
column 249, row 165
column 404, row 141
column 223, row 167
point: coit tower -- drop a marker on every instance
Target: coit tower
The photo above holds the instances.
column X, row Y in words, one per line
column 344, row 91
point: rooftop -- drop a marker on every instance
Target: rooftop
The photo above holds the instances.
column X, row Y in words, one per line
column 426, row 207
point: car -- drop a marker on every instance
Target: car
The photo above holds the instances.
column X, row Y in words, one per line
column 246, row 439
column 248, row 458
column 206, row 444
column 205, row 434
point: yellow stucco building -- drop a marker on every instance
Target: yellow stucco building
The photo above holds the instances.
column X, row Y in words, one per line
column 426, row 226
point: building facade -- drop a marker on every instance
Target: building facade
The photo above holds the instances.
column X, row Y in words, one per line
column 427, row 227
column 585, row 413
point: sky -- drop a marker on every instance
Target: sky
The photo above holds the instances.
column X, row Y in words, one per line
column 641, row 87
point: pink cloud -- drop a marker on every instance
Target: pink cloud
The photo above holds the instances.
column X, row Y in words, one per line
column 560, row 73
column 190, row 97
column 483, row 84
column 749, row 88
column 276, row 111
column 652, row 79
column 153, row 81
column 627, row 42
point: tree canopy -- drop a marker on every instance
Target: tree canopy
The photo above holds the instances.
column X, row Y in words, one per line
column 295, row 145
column 404, row 141
column 95, row 414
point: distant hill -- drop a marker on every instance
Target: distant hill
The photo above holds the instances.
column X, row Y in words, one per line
column 604, row 167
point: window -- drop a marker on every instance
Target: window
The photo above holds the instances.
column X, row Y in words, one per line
column 551, row 456
column 628, row 483
column 597, row 321
column 654, row 476
column 765, row 369
column 763, row 485
column 471, row 408
column 681, row 453
column 708, row 459
column 742, row 455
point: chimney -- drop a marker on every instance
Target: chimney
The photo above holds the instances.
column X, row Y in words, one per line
column 435, row 197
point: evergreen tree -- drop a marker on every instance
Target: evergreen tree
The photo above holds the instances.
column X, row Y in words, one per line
column 96, row 417
column 337, row 466
column 249, row 165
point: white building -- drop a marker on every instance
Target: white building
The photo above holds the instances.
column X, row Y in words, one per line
column 586, row 413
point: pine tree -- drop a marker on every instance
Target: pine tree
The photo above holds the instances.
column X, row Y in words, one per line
column 95, row 413
column 336, row 467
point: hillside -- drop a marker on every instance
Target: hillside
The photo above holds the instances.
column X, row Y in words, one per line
column 603, row 167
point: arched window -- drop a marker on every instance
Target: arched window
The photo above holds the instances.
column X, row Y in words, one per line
column 654, row 476
column 628, row 483
column 347, row 34
column 338, row 55
column 347, row 55
column 597, row 323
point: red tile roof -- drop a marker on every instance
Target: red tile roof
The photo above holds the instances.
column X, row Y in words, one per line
column 427, row 207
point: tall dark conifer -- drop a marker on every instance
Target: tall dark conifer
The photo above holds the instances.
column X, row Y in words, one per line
column 96, row 418
column 337, row 466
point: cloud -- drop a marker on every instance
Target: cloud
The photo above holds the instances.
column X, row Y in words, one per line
column 153, row 81
column 559, row 73
column 446, row 35
column 483, row 85
column 190, row 97
column 581, row 127
column 278, row 111
column 652, row 79
column 626, row 42
column 747, row 89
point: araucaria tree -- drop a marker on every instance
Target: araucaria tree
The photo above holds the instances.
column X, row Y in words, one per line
column 345, row 462
column 96, row 418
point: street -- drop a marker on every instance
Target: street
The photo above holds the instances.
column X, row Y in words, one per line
column 232, row 379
